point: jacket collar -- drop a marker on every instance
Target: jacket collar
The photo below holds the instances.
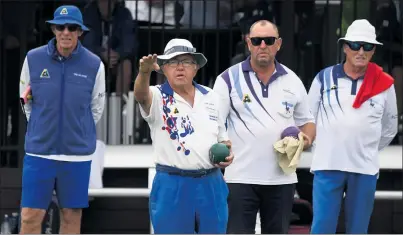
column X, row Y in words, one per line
column 52, row 51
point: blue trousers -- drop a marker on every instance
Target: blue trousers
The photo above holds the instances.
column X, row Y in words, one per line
column 181, row 204
column 328, row 190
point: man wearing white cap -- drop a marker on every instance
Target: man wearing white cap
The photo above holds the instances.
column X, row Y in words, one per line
column 188, row 191
column 355, row 107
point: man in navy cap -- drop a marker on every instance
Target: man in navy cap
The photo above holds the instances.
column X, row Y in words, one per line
column 65, row 84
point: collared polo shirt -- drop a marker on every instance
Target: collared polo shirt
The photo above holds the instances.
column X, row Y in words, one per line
column 256, row 114
column 349, row 139
column 182, row 135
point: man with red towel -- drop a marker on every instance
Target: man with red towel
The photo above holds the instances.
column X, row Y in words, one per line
column 354, row 104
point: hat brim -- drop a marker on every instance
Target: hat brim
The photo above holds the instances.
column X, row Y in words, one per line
column 201, row 60
column 63, row 22
column 360, row 39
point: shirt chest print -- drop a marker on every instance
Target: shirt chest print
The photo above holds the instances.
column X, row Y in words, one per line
column 177, row 126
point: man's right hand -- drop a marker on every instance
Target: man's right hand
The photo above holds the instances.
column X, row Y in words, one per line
column 148, row 64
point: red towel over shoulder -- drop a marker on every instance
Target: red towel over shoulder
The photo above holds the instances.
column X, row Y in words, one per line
column 375, row 82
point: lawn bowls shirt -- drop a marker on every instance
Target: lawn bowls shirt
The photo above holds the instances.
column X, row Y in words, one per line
column 181, row 134
column 349, row 139
column 256, row 114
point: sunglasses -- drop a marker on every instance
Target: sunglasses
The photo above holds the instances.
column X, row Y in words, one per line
column 256, row 41
column 356, row 46
column 70, row 27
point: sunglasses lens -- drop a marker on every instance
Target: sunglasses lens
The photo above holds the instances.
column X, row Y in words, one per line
column 59, row 27
column 73, row 28
column 354, row 46
column 269, row 40
column 368, row 47
column 256, row 41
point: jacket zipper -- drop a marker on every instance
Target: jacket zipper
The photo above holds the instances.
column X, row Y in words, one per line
column 60, row 139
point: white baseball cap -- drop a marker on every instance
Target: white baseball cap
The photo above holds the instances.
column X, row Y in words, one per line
column 361, row 31
column 178, row 46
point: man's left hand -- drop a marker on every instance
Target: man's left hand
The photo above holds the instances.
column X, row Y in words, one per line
column 228, row 159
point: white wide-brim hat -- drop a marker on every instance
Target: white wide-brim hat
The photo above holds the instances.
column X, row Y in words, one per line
column 361, row 31
column 178, row 46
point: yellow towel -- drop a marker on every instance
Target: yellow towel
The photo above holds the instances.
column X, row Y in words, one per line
column 288, row 152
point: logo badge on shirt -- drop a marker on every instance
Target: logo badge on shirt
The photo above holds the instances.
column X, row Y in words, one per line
column 288, row 110
column 334, row 87
column 371, row 102
column 246, row 99
column 287, row 106
column 45, row 74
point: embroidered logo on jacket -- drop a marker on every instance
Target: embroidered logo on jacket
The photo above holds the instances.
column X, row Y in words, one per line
column 45, row 74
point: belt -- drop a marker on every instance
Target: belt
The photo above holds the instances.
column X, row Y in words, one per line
column 187, row 173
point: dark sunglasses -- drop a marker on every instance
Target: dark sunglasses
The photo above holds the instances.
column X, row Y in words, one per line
column 256, row 41
column 70, row 27
column 356, row 46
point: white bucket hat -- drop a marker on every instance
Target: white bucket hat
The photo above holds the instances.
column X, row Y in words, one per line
column 361, row 31
column 178, row 46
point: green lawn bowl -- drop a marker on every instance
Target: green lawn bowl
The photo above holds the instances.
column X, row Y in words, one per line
column 218, row 153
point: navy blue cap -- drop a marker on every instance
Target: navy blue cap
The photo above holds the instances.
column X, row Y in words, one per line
column 68, row 14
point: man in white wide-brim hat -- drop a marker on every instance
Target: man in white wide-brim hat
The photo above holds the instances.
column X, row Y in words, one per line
column 189, row 193
column 354, row 103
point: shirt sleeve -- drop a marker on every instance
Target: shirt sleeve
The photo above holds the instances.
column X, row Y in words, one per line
column 98, row 94
column 154, row 108
column 314, row 97
column 25, row 80
column 389, row 119
column 222, row 130
column 302, row 112
column 221, row 89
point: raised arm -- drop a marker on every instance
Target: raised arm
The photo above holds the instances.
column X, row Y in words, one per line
column 142, row 92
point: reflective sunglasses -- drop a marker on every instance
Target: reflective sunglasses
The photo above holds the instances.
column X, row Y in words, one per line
column 356, row 46
column 256, row 41
column 70, row 27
